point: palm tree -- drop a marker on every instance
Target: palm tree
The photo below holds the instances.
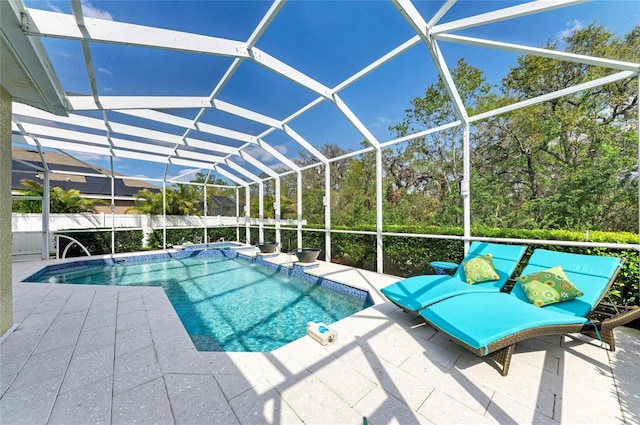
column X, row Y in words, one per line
column 70, row 201
column 181, row 200
column 60, row 200
column 29, row 206
column 148, row 202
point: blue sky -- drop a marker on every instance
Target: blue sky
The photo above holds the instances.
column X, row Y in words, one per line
column 328, row 41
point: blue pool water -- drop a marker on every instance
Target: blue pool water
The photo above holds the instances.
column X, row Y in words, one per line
column 225, row 304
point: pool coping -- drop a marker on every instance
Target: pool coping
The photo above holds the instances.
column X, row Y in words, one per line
column 310, row 272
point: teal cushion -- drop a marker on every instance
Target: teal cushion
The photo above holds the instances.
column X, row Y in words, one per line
column 417, row 292
column 591, row 273
column 478, row 319
column 505, row 259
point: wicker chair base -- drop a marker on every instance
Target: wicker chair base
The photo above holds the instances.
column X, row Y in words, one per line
column 606, row 336
column 502, row 350
column 503, row 357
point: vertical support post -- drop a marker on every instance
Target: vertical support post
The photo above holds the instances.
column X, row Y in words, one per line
column 466, row 186
column 299, row 208
column 277, row 212
column 379, row 246
column 164, row 214
column 206, row 239
column 247, row 213
column 46, row 214
column 113, row 212
column 327, row 212
column 260, row 211
column 238, row 214
column 146, row 229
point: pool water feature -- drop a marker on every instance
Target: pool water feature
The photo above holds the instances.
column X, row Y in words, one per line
column 216, row 245
column 225, row 304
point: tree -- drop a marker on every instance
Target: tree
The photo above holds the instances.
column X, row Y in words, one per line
column 568, row 163
column 60, row 200
column 428, row 170
column 180, row 200
column 184, row 199
column 148, row 202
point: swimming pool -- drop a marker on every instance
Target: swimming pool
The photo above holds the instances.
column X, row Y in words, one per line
column 225, row 301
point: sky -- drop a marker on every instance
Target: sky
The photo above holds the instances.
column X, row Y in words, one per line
column 327, row 40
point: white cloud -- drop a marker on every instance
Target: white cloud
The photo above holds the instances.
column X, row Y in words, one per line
column 140, row 176
column 281, row 148
column 90, row 11
column 571, row 27
column 104, row 70
column 382, row 122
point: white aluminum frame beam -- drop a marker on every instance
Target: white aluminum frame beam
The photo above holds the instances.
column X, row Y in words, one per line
column 287, row 71
column 556, row 94
column 232, row 177
column 195, row 124
column 537, row 51
column 503, row 14
column 242, row 171
column 277, row 155
column 440, row 13
column 259, row 165
column 47, row 131
column 185, row 123
column 86, row 103
column 204, row 157
column 302, row 142
column 54, row 24
column 379, row 217
column 122, row 144
column 353, row 119
column 419, row 25
column 77, row 147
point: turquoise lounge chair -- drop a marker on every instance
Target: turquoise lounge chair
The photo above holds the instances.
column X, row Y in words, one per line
column 418, row 292
column 490, row 324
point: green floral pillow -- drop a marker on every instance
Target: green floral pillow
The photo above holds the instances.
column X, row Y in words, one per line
column 479, row 269
column 548, row 287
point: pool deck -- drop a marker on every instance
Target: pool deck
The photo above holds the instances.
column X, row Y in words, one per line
column 119, row 355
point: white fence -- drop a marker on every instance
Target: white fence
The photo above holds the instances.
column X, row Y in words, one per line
column 28, row 237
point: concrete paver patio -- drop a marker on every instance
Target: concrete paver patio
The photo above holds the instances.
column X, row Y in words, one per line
column 99, row 354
